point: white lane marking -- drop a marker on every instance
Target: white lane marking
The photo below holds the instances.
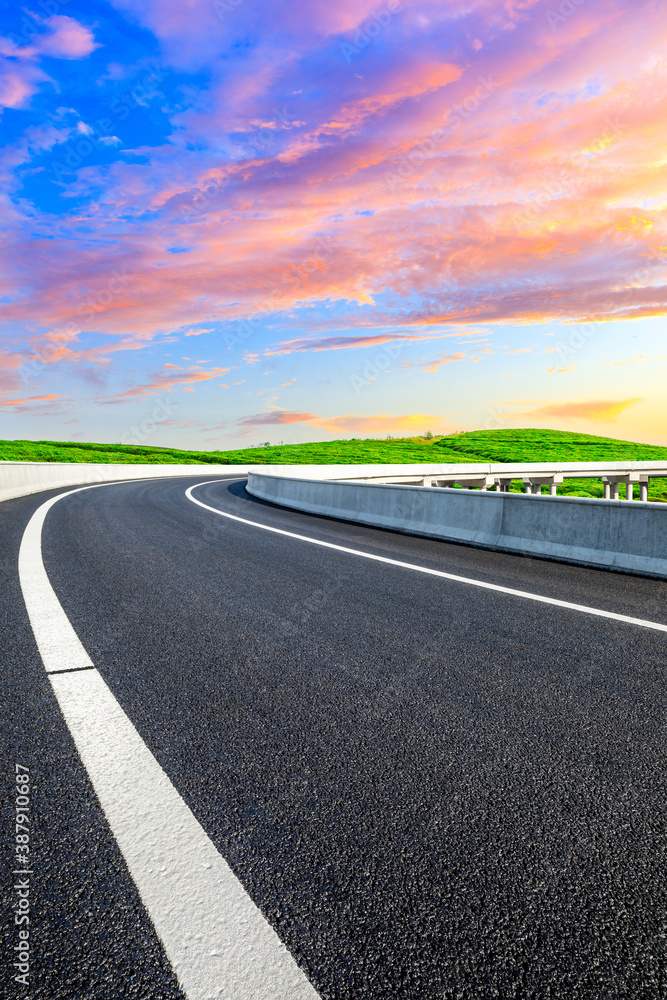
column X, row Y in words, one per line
column 218, row 942
column 430, row 572
column 58, row 643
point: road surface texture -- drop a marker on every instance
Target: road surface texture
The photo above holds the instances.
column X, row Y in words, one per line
column 431, row 791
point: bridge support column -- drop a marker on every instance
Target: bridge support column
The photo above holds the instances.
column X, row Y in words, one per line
column 534, row 484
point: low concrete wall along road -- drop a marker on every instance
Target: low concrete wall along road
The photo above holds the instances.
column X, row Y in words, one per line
column 630, row 537
column 20, row 478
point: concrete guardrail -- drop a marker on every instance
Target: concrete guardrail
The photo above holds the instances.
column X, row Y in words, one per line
column 617, row 535
column 534, row 476
column 17, row 479
column 21, row 478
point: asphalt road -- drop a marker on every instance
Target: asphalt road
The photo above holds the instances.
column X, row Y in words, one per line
column 431, row 791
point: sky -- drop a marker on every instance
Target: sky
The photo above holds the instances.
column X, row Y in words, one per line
column 359, row 219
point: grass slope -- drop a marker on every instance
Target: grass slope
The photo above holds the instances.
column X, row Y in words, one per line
column 317, row 453
column 548, row 446
column 524, row 445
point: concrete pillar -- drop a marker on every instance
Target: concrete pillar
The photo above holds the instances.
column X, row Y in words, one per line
column 643, row 492
column 629, row 491
column 534, row 484
column 614, row 491
column 607, row 491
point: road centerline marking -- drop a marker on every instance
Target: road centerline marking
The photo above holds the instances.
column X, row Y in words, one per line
column 539, row 598
column 218, row 942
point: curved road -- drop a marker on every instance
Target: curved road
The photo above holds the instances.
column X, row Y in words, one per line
column 431, row 791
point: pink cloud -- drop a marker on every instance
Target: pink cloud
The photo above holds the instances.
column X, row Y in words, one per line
column 342, row 343
column 169, row 377
column 20, row 77
column 278, row 417
column 18, row 82
column 382, row 424
column 65, row 38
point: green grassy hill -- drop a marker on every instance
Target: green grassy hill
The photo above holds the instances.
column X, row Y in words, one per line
column 524, row 445
column 316, row 453
column 547, row 446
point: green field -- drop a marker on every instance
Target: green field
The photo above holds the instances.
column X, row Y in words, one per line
column 470, row 446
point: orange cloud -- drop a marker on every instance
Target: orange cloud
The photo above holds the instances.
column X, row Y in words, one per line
column 434, row 366
column 639, row 360
column 28, row 399
column 598, row 410
column 410, row 423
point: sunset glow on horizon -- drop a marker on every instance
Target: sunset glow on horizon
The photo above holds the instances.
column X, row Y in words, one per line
column 359, row 219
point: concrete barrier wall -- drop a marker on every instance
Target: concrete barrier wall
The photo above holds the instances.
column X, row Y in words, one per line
column 20, row 478
column 630, row 537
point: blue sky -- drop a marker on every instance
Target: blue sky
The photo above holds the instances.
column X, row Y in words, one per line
column 313, row 222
